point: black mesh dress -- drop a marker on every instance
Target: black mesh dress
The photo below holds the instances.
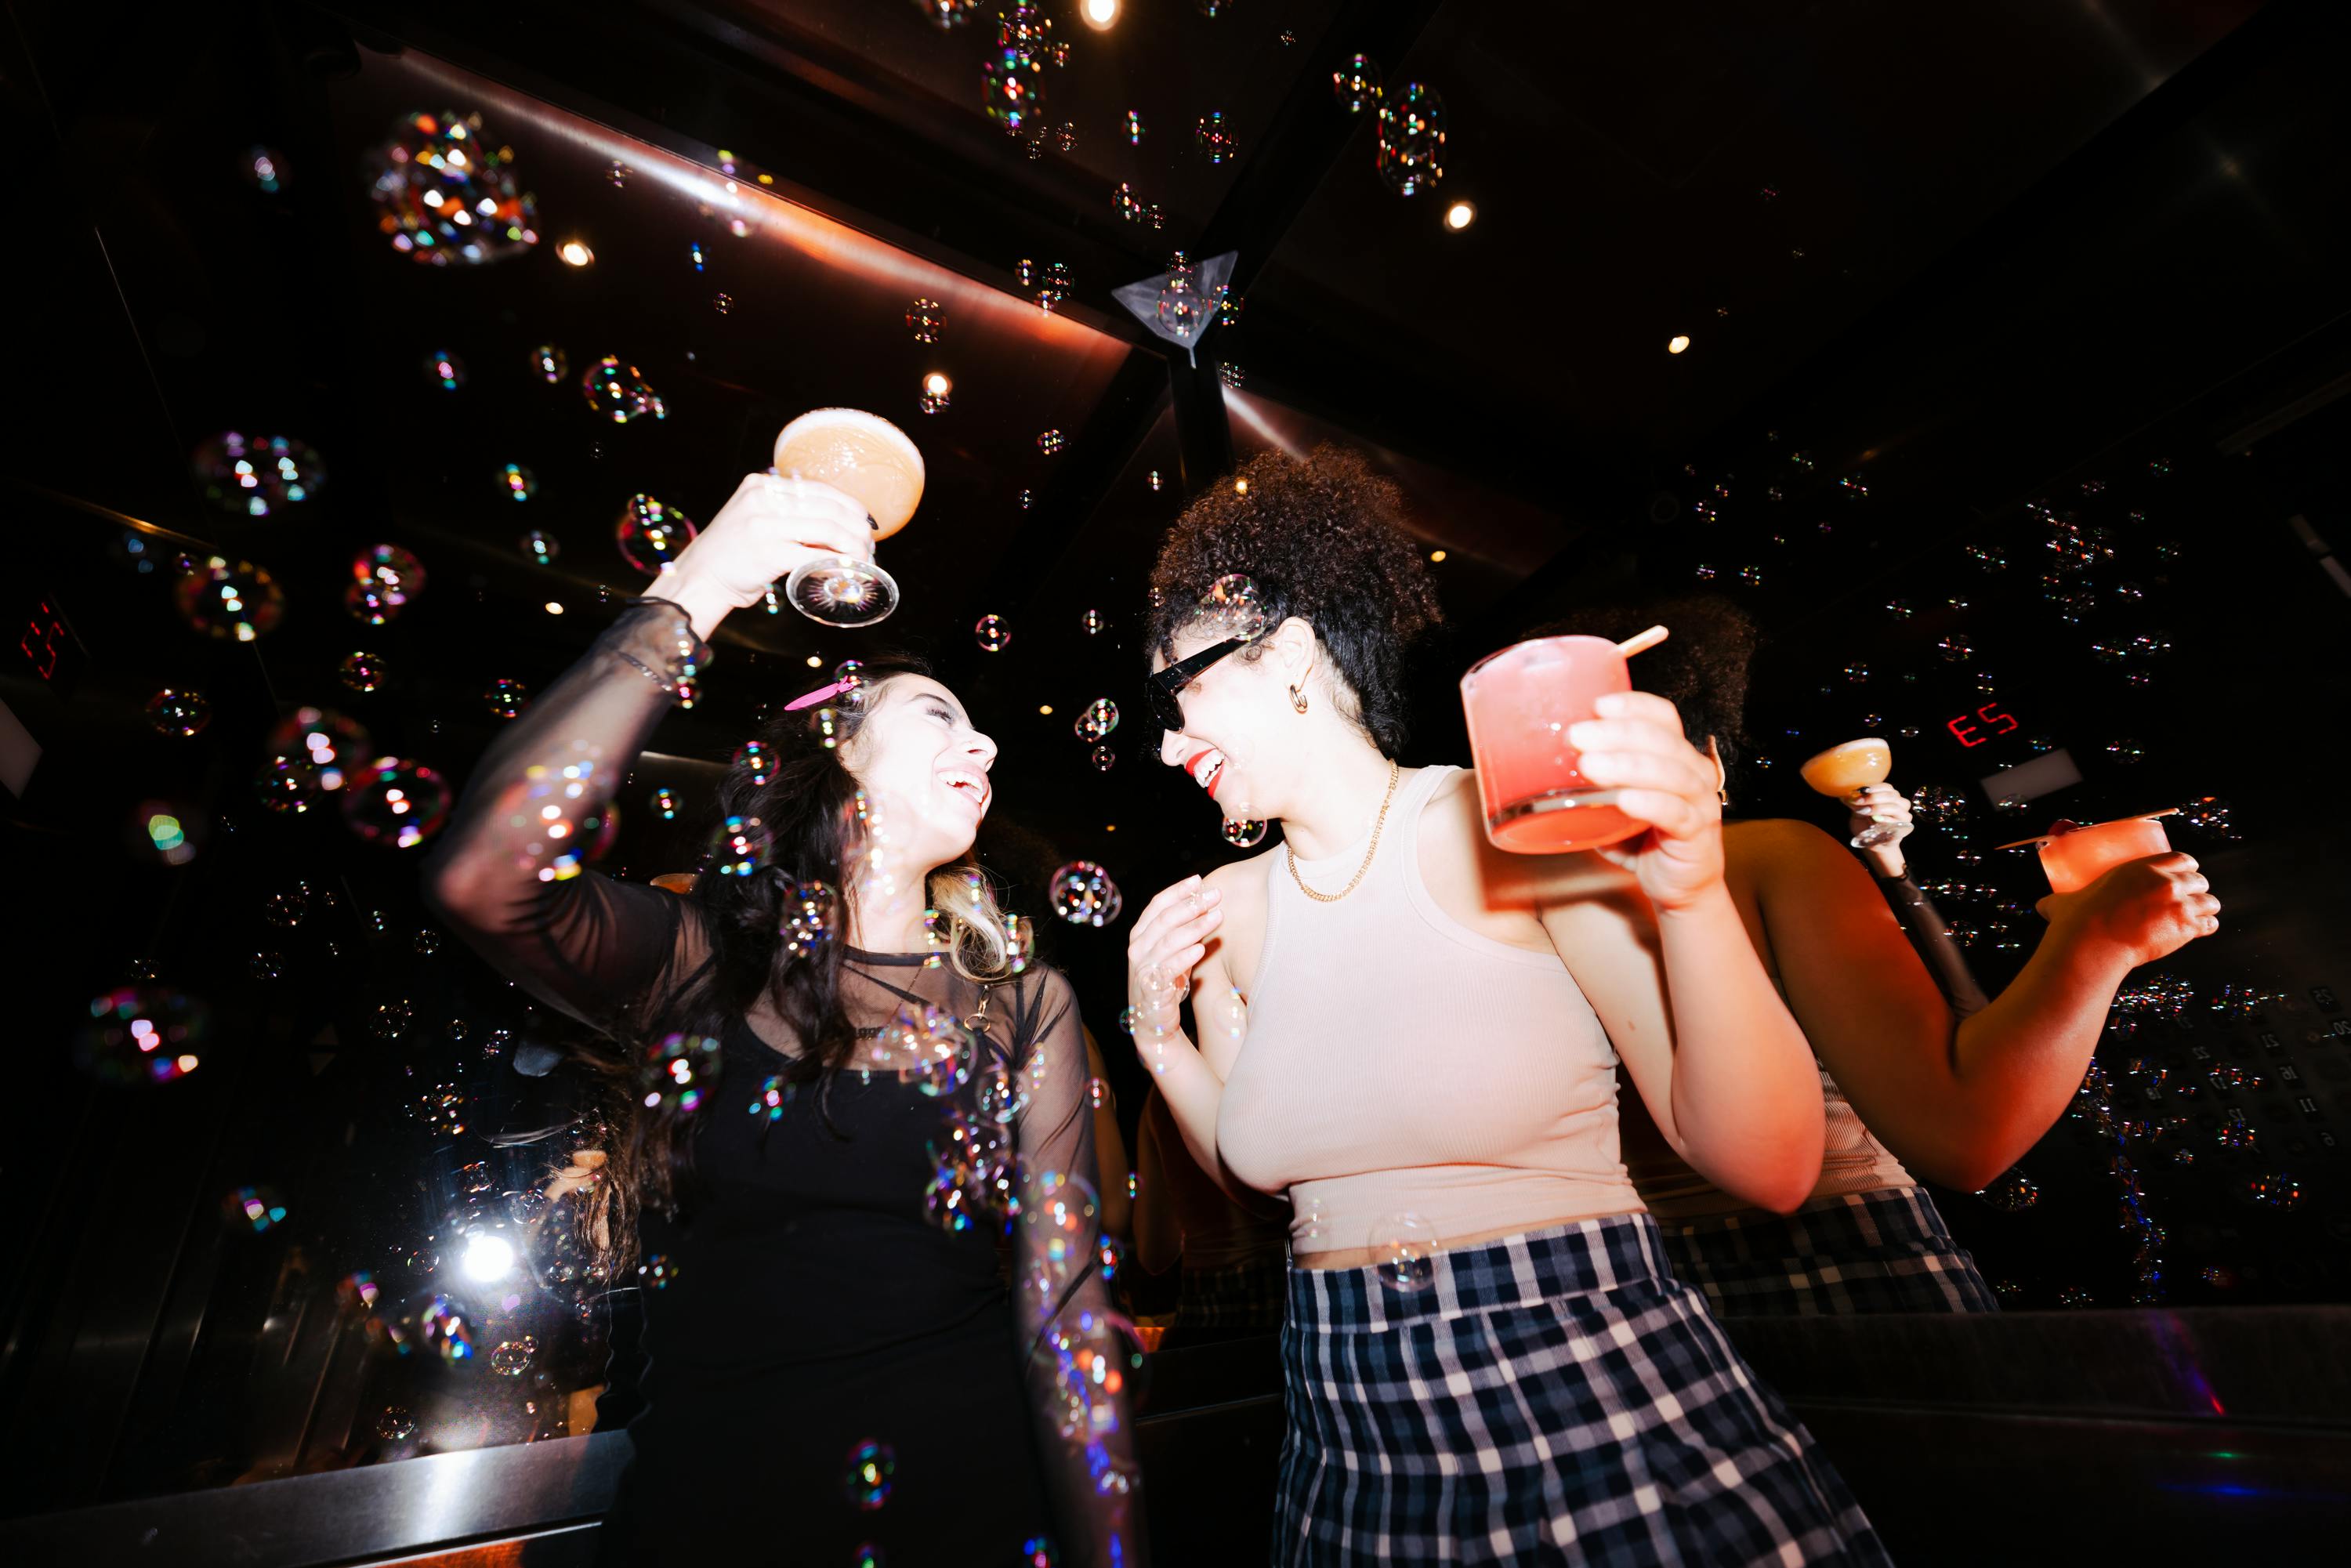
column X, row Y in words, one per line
column 811, row 1304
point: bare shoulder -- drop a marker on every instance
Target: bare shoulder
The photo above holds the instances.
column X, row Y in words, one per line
column 1242, row 877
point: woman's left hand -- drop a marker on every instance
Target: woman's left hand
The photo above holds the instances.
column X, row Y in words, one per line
column 1635, row 748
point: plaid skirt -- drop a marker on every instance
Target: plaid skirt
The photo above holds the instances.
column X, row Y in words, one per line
column 1246, row 1296
column 1883, row 1251
column 1553, row 1397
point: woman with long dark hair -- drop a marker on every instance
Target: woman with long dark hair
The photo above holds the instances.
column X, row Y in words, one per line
column 1921, row 1075
column 842, row 1086
column 1416, row 1038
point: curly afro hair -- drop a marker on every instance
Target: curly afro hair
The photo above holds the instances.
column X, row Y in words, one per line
column 1702, row 669
column 1323, row 541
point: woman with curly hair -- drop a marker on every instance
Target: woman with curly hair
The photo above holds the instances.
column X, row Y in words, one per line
column 1919, row 1071
column 1416, row 1038
column 899, row 1071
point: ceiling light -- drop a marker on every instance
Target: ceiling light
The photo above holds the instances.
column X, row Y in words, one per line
column 1099, row 13
column 1045, row 708
column 553, row 607
column 1436, row 554
column 1678, row 345
column 1461, row 215
column 487, row 1259
column 816, row 661
column 578, row 255
column 937, row 384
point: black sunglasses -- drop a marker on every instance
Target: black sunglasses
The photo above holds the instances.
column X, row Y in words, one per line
column 1159, row 690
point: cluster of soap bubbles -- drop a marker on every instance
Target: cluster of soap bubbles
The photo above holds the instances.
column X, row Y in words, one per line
column 2012, row 1192
column 1097, row 721
column 1049, row 443
column 1411, row 150
column 141, row 1034
column 1082, row 894
column 2209, row 814
column 926, row 318
column 1048, row 283
column 652, row 534
column 257, row 476
column 445, row 192
column 620, row 391
column 1012, row 77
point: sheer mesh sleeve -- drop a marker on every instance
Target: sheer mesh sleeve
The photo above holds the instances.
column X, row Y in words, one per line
column 1077, row 1355
column 507, row 874
column 1923, row 923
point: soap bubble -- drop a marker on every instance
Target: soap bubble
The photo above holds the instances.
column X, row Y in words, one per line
column 811, row 918
column 678, row 1072
column 263, row 168
column 141, row 1034
column 992, row 634
column 506, row 697
column 1213, row 134
column 447, row 193
column 1019, row 942
column 549, row 364
column 1090, row 1358
column 1244, row 834
column 2277, row 1190
column 1099, row 719
column 516, row 481
column 539, row 548
column 928, row 1047
column 2125, row 751
column 652, row 535
column 445, row 370
column 1356, row 84
column 871, row 1469
column 825, row 724
column 926, row 318
column 370, row 606
column 178, row 712
column 1182, row 311
column 396, row 800
column 389, row 571
column 620, row 391
column 231, row 600
column 254, row 1208
column 1049, row 443
column 1105, row 757
column 757, row 760
column 2012, row 1193
column 512, row 1357
column 257, row 475
column 1233, row 607
column 171, row 830
column 1406, row 1246
column 395, row 1424
column 740, row 846
column 1129, row 204
column 1083, row 895
column 2209, row 814
column 1411, row 155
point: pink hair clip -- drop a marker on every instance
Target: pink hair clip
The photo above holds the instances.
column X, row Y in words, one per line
column 816, row 696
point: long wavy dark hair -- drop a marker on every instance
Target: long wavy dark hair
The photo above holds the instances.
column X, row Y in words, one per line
column 808, row 807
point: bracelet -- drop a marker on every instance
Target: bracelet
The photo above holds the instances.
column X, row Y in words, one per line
column 692, row 653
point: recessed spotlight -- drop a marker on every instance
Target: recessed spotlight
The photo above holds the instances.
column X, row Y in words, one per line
column 1461, row 215
column 553, row 607
column 1099, row 13
column 816, row 661
column 573, row 252
column 1045, row 708
column 1240, row 487
column 1676, row 345
column 1436, row 554
column 937, row 384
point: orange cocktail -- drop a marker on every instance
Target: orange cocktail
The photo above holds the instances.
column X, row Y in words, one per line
column 1843, row 771
column 2074, row 859
column 1520, row 703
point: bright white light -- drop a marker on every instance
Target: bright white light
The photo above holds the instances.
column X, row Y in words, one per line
column 553, row 607
column 488, row 1258
column 1678, row 345
column 937, row 384
column 1461, row 215
column 1099, row 13
column 578, row 255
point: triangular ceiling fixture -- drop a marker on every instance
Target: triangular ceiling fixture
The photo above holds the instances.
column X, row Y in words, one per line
column 1142, row 300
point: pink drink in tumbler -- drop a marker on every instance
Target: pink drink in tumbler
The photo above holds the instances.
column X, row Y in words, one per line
column 1521, row 703
column 2074, row 859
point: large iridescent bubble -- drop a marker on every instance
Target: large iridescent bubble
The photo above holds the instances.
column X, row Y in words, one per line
column 1083, row 895
column 257, row 475
column 652, row 534
column 396, row 801
column 232, row 599
column 1411, row 155
column 620, row 391
column 446, row 193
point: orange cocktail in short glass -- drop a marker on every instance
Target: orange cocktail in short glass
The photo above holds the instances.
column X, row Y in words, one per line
column 2074, row 859
column 1520, row 703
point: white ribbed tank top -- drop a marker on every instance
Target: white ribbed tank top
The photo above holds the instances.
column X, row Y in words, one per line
column 1396, row 1061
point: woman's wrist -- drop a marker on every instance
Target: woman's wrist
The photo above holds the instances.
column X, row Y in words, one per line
column 704, row 603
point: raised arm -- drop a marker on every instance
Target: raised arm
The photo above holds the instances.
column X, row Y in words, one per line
column 507, row 875
column 1665, row 962
column 1958, row 1099
column 1061, row 1321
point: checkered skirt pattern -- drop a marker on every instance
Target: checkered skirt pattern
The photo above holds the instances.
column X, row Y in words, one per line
column 1245, row 1296
column 1555, row 1397
column 1883, row 1252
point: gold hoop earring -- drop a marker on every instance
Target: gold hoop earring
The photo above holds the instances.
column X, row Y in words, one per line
column 1722, row 773
column 1297, row 699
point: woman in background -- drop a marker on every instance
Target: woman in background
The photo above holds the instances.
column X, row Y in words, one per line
column 1921, row 1076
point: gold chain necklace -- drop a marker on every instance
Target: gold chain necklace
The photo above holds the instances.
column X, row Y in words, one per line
column 1395, row 773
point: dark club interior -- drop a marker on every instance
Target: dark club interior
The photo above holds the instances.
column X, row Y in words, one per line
column 1965, row 380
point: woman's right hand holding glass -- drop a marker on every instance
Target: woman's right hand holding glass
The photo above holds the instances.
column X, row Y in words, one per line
column 1169, row 938
column 767, row 529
